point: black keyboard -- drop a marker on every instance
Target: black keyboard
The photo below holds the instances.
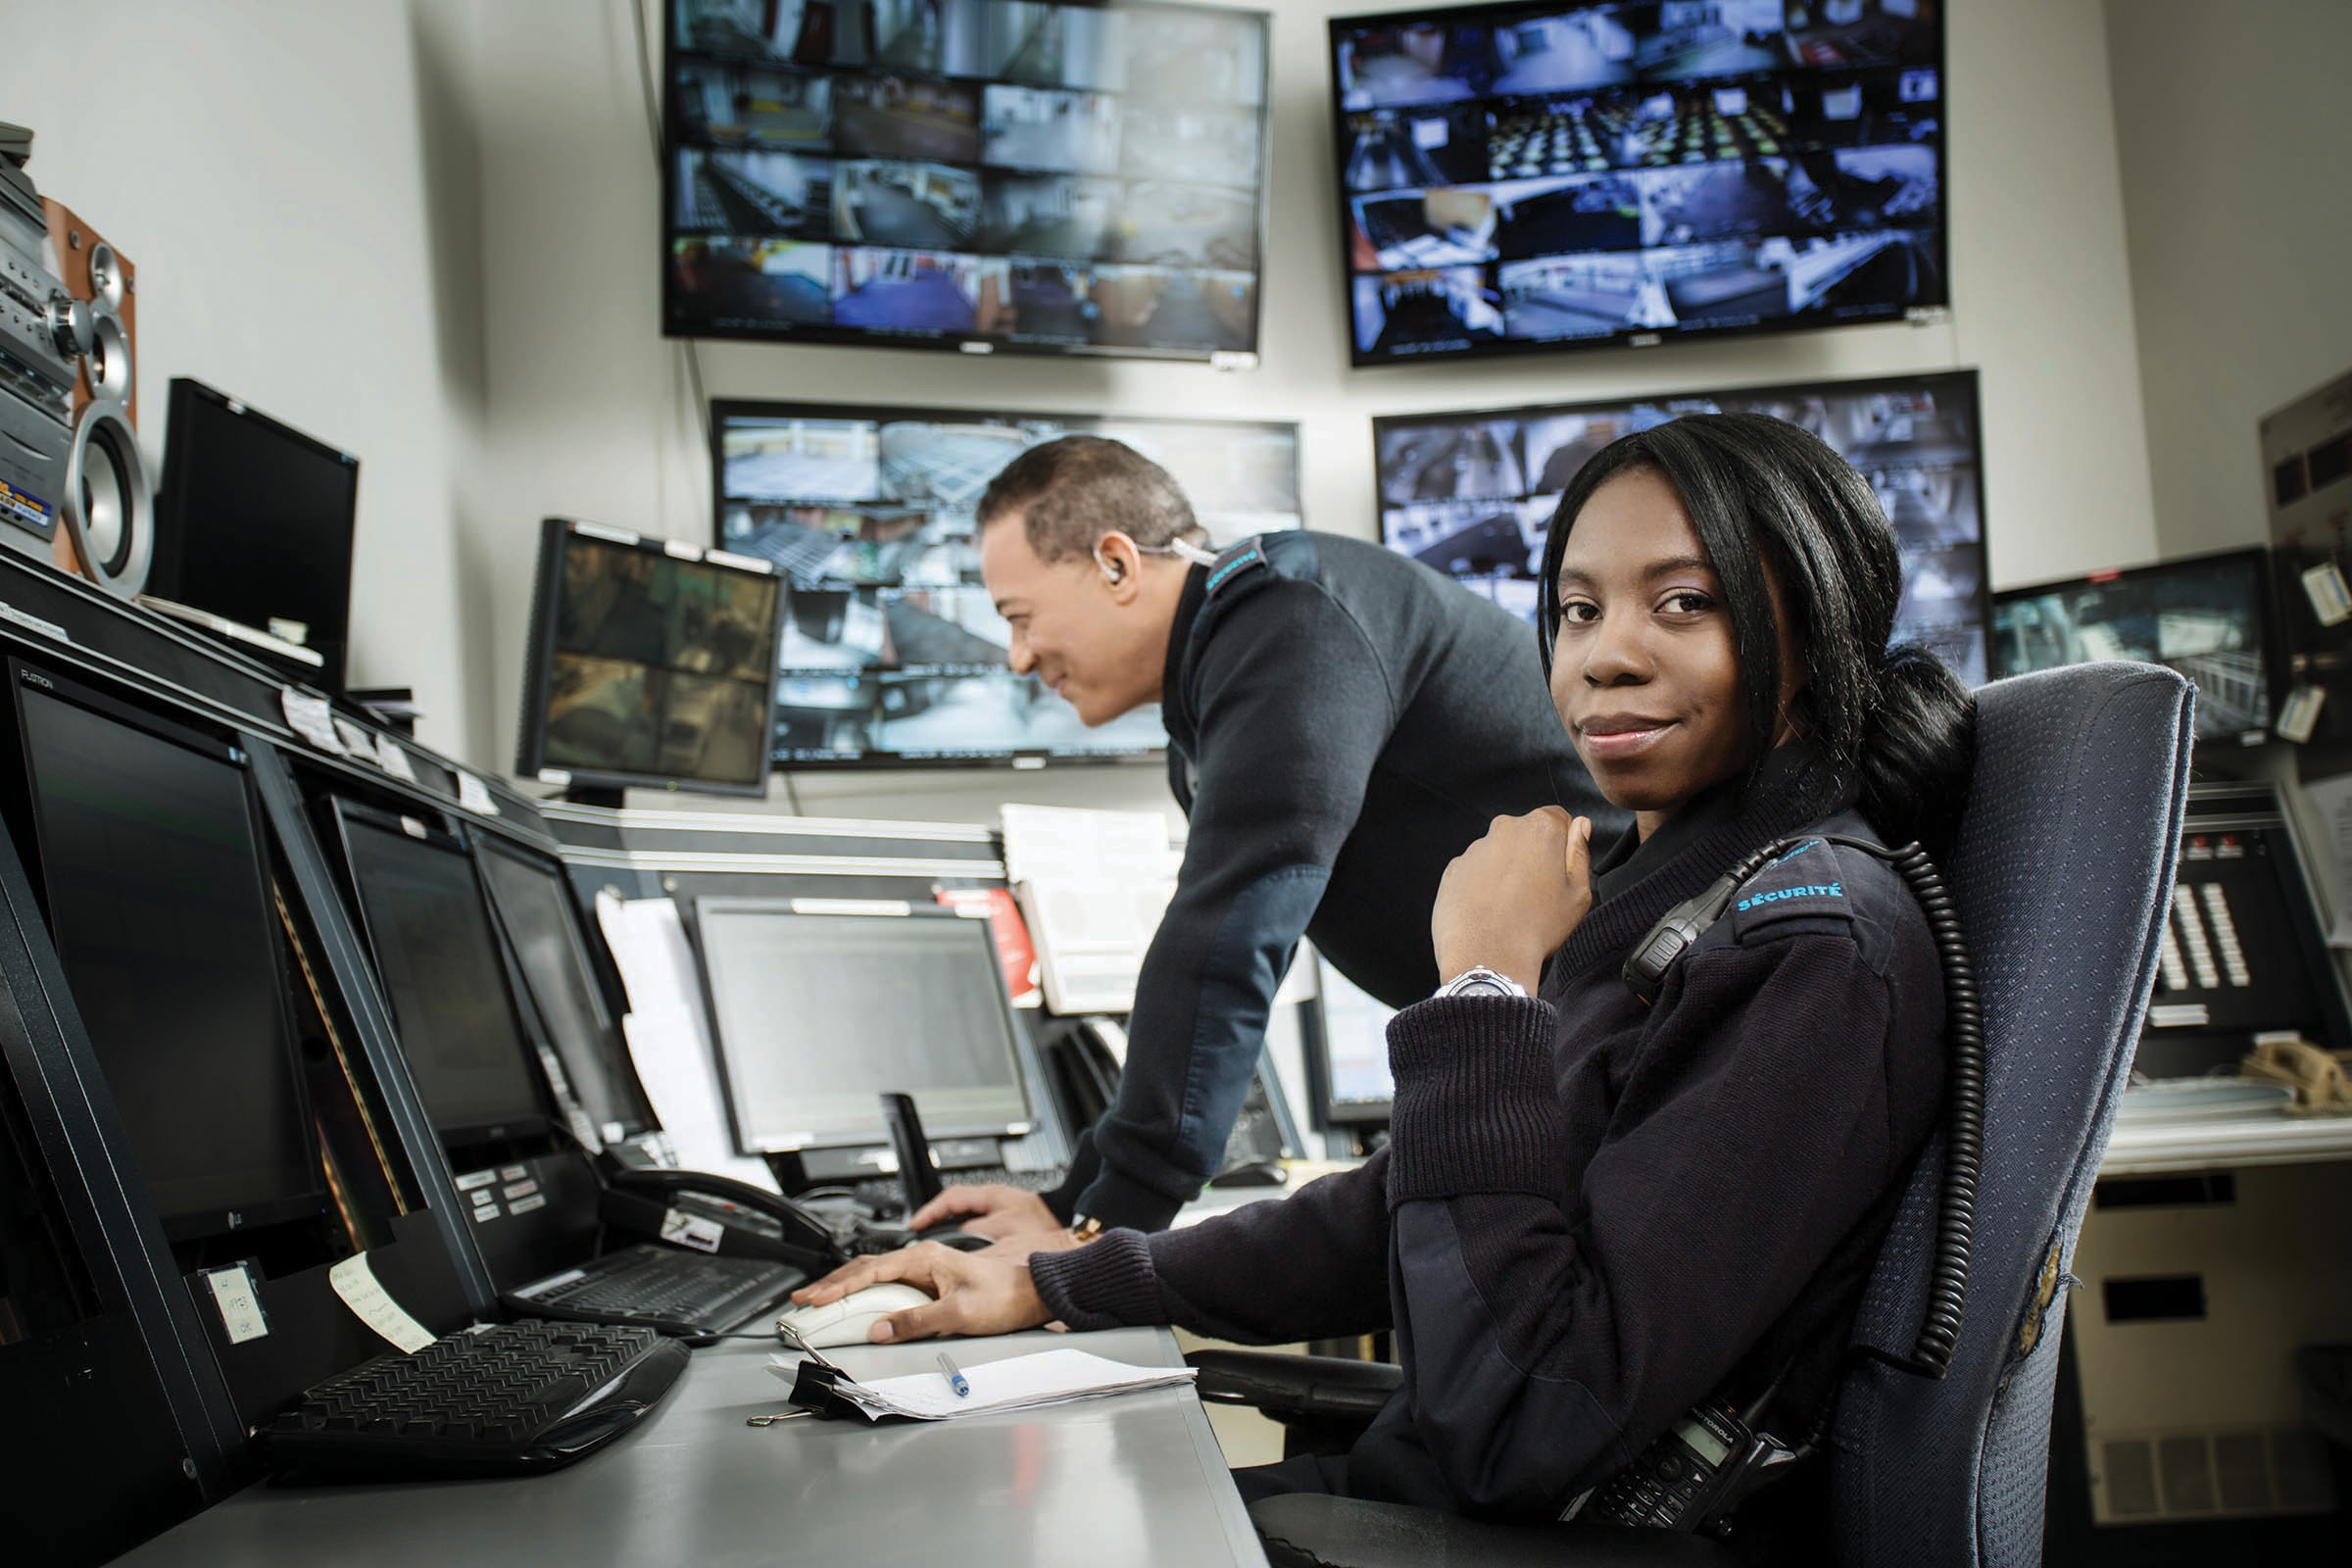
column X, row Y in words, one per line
column 662, row 1288
column 512, row 1397
column 883, row 1195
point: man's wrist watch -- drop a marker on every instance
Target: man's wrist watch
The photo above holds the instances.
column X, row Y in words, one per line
column 1481, row 981
column 1084, row 1228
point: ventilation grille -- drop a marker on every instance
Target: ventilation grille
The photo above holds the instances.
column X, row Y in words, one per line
column 2169, row 1476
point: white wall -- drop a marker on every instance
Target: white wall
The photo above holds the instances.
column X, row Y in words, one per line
column 262, row 165
column 430, row 234
column 2231, row 123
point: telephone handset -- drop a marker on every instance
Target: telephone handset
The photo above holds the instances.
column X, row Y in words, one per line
column 715, row 1214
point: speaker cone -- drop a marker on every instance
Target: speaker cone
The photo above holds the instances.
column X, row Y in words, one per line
column 109, row 504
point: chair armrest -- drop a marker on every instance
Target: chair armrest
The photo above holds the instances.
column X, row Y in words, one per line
column 1296, row 1388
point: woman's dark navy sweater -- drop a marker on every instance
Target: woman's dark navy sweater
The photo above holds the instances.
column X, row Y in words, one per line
column 1594, row 1213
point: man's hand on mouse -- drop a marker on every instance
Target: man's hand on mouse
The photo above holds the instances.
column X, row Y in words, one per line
column 995, row 1210
column 976, row 1294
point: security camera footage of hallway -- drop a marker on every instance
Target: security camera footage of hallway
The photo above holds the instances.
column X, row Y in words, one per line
column 1064, row 178
column 890, row 649
column 1473, row 494
column 1550, row 175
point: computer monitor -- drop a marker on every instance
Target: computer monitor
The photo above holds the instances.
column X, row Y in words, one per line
column 434, row 947
column 893, row 653
column 253, row 522
column 157, row 885
column 535, row 903
column 1472, row 494
column 2207, row 617
column 816, row 1015
column 652, row 664
column 1350, row 1053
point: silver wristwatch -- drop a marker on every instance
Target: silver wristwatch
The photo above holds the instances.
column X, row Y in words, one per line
column 1481, row 981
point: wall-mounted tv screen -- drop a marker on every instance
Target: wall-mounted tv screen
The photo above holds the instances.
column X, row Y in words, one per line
column 1472, row 494
column 651, row 663
column 892, row 652
column 965, row 174
column 1532, row 177
column 2207, row 617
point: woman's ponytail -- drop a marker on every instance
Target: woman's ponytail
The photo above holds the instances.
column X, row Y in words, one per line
column 1918, row 746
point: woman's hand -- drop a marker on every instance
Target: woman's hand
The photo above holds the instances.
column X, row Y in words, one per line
column 1512, row 899
column 976, row 1294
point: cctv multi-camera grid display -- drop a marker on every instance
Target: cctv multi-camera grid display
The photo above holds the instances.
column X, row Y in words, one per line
column 1472, row 493
column 1531, row 177
column 978, row 173
column 651, row 663
column 892, row 652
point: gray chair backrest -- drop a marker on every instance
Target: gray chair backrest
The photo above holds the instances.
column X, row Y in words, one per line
column 2063, row 877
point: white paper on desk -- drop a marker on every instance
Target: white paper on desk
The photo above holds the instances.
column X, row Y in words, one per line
column 1062, row 843
column 1019, row 1382
column 2331, row 798
column 669, row 1040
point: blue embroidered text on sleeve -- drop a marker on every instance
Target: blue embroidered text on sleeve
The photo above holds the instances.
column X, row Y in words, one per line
column 1834, row 890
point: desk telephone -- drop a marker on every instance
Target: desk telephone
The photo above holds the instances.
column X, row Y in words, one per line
column 715, row 1214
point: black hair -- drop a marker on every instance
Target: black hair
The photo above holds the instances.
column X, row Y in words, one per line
column 1072, row 491
column 1892, row 723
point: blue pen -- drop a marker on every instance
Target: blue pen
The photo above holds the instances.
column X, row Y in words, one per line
column 947, row 1369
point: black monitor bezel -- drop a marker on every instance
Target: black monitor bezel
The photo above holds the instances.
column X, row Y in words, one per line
column 725, row 411
column 530, row 739
column 458, row 1135
column 692, row 913
column 1962, row 383
column 613, row 1041
column 194, row 1224
column 173, row 514
column 2256, row 560
column 948, row 343
column 1631, row 337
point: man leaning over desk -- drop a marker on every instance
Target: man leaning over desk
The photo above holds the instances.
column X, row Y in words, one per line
column 1343, row 722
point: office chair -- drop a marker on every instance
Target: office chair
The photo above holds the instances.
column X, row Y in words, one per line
column 2063, row 877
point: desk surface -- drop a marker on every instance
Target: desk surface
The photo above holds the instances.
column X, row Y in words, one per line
column 1136, row 1479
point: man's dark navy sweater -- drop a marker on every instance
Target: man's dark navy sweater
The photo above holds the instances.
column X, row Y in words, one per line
column 1343, row 722
column 1592, row 1214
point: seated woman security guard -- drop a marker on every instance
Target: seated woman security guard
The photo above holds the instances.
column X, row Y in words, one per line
column 1596, row 1212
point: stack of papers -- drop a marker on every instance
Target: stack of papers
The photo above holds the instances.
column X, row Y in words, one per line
column 1021, row 1383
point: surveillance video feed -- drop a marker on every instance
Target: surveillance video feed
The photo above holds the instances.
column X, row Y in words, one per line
column 660, row 665
column 1062, row 179
column 897, row 117
column 1639, row 171
column 723, row 279
column 914, row 205
column 2202, row 617
column 784, row 194
column 891, row 649
column 1427, row 311
column 1473, row 494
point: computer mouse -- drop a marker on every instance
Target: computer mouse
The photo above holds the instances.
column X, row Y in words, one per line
column 845, row 1321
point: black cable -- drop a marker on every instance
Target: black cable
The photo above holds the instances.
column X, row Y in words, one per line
column 792, row 791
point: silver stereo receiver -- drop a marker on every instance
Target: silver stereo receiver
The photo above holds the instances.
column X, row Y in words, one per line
column 43, row 332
